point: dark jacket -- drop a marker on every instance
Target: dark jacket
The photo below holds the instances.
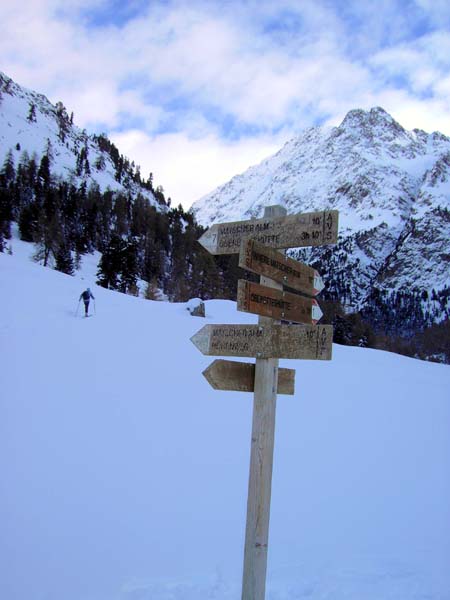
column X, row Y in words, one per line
column 86, row 295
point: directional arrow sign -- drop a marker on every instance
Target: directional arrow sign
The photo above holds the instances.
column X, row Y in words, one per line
column 269, row 262
column 276, row 304
column 311, row 342
column 291, row 231
column 234, row 376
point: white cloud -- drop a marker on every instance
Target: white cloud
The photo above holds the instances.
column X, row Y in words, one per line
column 219, row 61
column 189, row 168
column 425, row 66
column 214, row 61
column 429, row 115
column 177, row 69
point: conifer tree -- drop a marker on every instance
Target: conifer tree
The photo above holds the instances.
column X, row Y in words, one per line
column 5, row 213
column 63, row 260
column 32, row 113
column 63, row 121
column 151, row 290
column 129, row 267
column 49, row 236
column 121, row 214
column 49, row 151
column 28, row 222
column 100, row 162
column 110, row 265
column 44, row 171
column 77, row 263
column 8, row 172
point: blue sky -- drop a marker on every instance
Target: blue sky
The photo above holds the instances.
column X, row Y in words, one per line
column 198, row 91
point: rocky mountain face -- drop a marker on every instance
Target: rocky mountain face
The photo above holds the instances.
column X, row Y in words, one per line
column 392, row 189
column 31, row 126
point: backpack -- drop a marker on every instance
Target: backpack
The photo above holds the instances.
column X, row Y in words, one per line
column 86, row 295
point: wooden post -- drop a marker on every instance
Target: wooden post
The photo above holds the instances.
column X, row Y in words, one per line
column 268, row 341
column 261, row 462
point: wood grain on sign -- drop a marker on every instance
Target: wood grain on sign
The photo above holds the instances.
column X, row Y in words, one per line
column 309, row 342
column 268, row 262
column 230, row 375
column 276, row 304
column 290, row 231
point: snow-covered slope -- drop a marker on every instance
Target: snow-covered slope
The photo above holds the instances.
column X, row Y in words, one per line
column 124, row 475
column 392, row 190
column 30, row 123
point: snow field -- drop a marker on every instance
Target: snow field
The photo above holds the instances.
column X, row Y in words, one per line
column 124, row 475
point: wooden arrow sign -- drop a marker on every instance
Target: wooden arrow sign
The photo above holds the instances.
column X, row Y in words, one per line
column 234, row 376
column 276, row 304
column 291, row 231
column 270, row 263
column 309, row 342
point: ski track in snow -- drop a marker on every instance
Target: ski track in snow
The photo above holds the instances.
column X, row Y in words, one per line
column 124, row 475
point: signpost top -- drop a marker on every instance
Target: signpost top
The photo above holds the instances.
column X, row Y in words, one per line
column 291, row 231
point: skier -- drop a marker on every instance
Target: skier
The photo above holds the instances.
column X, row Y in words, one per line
column 86, row 295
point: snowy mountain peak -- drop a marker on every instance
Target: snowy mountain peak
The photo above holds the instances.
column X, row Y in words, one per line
column 376, row 118
column 388, row 184
column 369, row 168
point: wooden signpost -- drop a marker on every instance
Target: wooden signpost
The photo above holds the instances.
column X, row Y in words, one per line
column 257, row 241
column 235, row 376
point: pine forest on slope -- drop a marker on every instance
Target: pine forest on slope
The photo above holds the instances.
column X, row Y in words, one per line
column 72, row 193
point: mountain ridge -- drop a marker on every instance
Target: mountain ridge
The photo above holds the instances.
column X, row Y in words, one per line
column 30, row 123
column 392, row 189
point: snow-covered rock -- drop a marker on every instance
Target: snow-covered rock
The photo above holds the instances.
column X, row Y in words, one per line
column 196, row 307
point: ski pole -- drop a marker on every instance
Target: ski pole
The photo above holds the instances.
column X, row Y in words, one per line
column 78, row 306
column 95, row 308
